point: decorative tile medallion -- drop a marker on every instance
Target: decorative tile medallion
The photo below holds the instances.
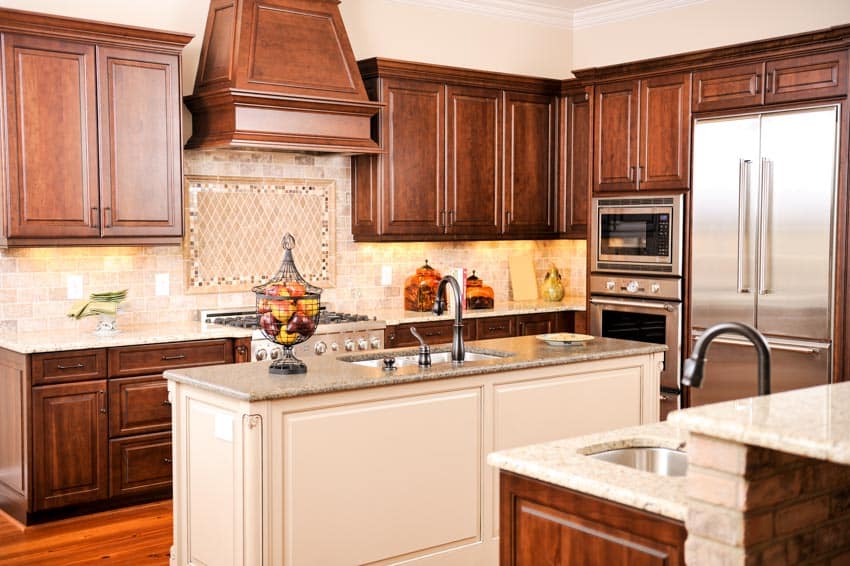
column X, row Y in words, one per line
column 236, row 225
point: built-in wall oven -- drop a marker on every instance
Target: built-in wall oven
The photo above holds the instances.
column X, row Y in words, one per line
column 635, row 282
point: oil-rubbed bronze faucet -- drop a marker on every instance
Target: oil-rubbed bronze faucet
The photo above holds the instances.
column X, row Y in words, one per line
column 693, row 372
column 458, row 352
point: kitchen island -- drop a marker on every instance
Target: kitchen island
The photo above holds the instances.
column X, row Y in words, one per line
column 353, row 464
column 768, row 482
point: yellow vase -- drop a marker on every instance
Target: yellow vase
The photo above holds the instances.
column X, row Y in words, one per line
column 552, row 289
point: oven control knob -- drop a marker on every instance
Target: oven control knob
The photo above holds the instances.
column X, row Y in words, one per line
column 261, row 354
column 375, row 343
column 362, row 344
column 655, row 288
column 334, row 347
column 320, row 348
column 348, row 345
column 632, row 286
column 275, row 353
column 610, row 285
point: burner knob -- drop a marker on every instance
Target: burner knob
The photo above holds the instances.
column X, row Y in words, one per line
column 320, row 348
column 362, row 344
column 261, row 354
column 655, row 288
column 632, row 286
column 375, row 342
column 349, row 345
column 275, row 353
column 610, row 285
column 334, row 347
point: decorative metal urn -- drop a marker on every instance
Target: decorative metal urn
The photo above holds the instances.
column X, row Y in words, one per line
column 287, row 310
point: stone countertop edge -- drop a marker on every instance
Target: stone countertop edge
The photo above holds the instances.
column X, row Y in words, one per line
column 565, row 463
column 329, row 374
column 813, row 422
column 130, row 335
column 505, row 308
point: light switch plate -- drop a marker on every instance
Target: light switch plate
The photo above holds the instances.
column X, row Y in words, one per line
column 162, row 284
column 75, row 286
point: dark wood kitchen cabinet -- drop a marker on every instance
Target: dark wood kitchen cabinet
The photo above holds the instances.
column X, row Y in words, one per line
column 90, row 429
column 575, row 160
column 641, row 134
column 541, row 523
column 92, row 132
column 782, row 80
column 469, row 155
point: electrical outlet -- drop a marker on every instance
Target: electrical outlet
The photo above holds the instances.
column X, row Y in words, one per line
column 162, row 283
column 75, row 286
column 386, row 275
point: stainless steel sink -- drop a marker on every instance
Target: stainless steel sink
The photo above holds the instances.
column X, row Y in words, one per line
column 436, row 358
column 661, row 461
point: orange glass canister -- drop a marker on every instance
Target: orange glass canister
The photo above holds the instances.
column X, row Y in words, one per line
column 420, row 289
column 478, row 295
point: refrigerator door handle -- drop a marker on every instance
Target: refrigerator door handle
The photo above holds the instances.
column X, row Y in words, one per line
column 764, row 219
column 772, row 345
column 743, row 191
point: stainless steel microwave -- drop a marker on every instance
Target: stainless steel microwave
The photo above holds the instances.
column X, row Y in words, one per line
column 637, row 235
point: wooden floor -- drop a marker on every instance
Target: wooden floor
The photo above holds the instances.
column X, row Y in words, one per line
column 134, row 535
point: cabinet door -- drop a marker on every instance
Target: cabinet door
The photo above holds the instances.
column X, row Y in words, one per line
column 414, row 164
column 807, row 77
column 52, row 154
column 139, row 116
column 69, row 429
column 138, row 405
column 665, row 132
column 473, row 195
column 529, row 183
column 736, row 86
column 615, row 137
column 140, row 464
column 576, row 158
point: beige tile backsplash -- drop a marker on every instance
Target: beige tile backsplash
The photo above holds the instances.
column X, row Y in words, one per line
column 33, row 281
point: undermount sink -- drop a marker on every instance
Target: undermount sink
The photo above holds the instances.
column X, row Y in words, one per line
column 436, row 358
column 661, row 461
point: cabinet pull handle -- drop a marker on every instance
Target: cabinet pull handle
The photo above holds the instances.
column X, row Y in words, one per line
column 95, row 217
column 494, row 328
column 102, row 402
column 170, row 358
column 166, row 403
column 166, row 460
column 768, row 81
column 758, row 84
column 443, row 218
column 631, row 175
column 75, row 366
column 434, row 333
column 508, row 216
column 451, row 218
column 639, row 173
column 108, row 220
column 241, row 350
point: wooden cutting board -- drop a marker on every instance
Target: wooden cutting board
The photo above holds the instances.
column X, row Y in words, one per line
column 523, row 281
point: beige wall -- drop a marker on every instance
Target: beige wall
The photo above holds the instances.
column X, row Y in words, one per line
column 700, row 26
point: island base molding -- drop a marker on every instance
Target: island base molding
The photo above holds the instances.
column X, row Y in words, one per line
column 753, row 505
column 379, row 475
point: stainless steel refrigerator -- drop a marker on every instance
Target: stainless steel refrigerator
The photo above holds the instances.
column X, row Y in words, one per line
column 762, row 246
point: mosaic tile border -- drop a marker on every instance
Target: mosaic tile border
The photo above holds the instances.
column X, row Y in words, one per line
column 252, row 259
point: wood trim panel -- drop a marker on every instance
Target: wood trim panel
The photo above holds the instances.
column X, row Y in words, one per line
column 576, row 161
column 15, row 440
column 68, row 366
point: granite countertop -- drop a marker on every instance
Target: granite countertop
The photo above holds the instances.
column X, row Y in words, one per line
column 503, row 308
column 565, row 463
column 130, row 335
column 812, row 422
column 327, row 374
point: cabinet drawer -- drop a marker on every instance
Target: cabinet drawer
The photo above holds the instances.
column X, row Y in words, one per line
column 495, row 327
column 62, row 367
column 140, row 464
column 155, row 358
column 138, row 405
column 439, row 332
column 530, row 324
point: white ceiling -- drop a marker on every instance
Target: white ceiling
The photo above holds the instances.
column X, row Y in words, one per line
column 574, row 14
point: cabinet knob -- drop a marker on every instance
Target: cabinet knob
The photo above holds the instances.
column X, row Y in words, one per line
column 166, row 460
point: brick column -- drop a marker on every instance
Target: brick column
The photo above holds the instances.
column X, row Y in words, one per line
column 750, row 505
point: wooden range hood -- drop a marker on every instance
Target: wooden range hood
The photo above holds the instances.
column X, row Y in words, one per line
column 279, row 74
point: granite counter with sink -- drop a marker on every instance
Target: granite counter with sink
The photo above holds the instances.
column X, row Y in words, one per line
column 328, row 374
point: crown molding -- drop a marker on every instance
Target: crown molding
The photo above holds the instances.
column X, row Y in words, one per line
column 621, row 10
column 527, row 10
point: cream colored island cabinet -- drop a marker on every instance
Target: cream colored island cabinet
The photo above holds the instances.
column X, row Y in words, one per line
column 353, row 465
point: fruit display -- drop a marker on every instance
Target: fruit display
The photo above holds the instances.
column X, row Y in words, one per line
column 288, row 310
column 420, row 289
